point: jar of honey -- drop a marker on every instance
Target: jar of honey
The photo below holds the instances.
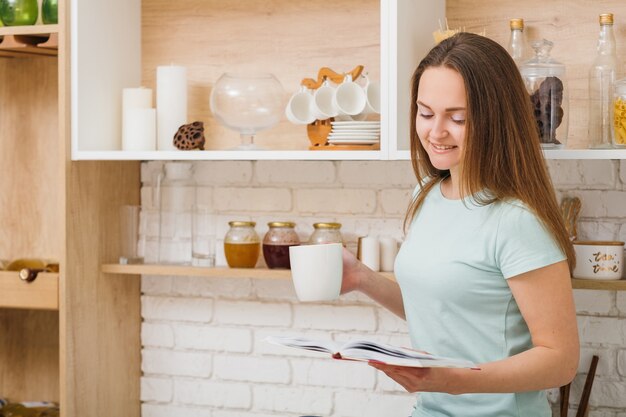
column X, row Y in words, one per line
column 242, row 245
column 326, row 233
column 276, row 243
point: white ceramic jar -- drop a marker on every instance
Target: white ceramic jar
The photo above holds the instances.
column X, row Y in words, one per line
column 599, row 260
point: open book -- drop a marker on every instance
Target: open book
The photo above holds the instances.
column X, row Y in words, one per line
column 364, row 350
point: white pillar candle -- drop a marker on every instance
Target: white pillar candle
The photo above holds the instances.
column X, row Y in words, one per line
column 139, row 130
column 370, row 253
column 133, row 98
column 171, row 104
column 388, row 252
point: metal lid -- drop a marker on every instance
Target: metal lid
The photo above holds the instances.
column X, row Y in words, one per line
column 516, row 23
column 606, row 19
column 281, row 224
column 327, row 225
column 241, row 224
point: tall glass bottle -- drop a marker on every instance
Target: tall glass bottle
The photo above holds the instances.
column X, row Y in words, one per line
column 176, row 196
column 601, row 81
column 517, row 41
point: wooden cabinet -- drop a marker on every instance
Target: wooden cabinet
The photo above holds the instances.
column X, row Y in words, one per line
column 71, row 337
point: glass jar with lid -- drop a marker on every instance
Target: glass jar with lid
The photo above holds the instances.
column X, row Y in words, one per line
column 545, row 82
column 619, row 114
column 276, row 243
column 326, row 233
column 242, row 245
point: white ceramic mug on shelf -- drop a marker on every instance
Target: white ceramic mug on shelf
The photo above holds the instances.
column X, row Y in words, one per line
column 349, row 98
column 299, row 109
column 372, row 94
column 323, row 106
column 317, row 271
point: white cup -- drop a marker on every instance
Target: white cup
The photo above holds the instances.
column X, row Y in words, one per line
column 299, row 110
column 372, row 94
column 349, row 98
column 316, row 271
column 323, row 107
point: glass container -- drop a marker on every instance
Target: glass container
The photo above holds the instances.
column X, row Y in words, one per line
column 601, row 81
column 276, row 243
column 176, row 197
column 247, row 103
column 326, row 233
column 50, row 12
column 19, row 12
column 517, row 43
column 545, row 82
column 619, row 114
column 242, row 245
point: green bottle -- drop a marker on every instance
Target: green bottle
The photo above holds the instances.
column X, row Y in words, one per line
column 19, row 12
column 50, row 12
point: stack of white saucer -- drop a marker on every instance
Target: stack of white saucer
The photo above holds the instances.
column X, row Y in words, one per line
column 354, row 133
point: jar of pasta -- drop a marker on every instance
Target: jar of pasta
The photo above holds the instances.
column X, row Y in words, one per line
column 326, row 233
column 242, row 245
column 619, row 114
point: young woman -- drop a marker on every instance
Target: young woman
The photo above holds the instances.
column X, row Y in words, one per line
column 484, row 272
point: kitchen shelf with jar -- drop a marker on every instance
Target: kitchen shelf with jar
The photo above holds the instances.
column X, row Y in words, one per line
column 40, row 294
column 265, row 273
column 34, row 40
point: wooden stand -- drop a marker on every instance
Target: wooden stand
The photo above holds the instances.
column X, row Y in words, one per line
column 41, row 40
column 319, row 130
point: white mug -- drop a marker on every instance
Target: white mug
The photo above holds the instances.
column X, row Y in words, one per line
column 349, row 98
column 316, row 271
column 323, row 107
column 299, row 110
column 372, row 94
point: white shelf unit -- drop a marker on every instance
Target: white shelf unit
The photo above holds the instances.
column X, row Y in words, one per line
column 106, row 60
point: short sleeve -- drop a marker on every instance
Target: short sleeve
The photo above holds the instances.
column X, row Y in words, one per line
column 523, row 244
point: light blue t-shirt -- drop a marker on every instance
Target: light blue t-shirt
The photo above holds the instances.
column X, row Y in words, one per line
column 452, row 270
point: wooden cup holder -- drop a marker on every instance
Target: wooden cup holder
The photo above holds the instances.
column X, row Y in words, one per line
column 319, row 130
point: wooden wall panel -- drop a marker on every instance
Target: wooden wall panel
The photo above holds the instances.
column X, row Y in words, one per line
column 101, row 314
column 29, row 355
column 30, row 159
column 571, row 24
column 289, row 39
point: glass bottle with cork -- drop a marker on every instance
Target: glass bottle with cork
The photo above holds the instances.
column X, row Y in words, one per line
column 517, row 42
column 601, row 82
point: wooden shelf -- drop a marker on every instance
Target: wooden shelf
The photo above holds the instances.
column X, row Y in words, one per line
column 41, row 294
column 263, row 273
column 23, row 41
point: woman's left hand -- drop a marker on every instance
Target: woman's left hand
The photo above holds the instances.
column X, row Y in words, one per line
column 418, row 379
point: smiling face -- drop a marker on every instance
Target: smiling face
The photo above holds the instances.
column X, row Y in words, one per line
column 440, row 119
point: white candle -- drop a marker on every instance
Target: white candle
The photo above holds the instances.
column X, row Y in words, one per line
column 171, row 104
column 139, row 130
column 388, row 252
column 133, row 98
column 370, row 253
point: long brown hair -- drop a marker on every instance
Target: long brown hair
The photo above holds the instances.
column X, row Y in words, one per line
column 502, row 153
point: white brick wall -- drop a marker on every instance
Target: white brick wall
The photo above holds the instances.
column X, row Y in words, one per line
column 203, row 351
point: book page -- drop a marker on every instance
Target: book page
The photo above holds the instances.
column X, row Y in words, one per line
column 326, row 346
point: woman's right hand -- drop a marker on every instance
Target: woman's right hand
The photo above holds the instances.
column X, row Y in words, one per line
column 352, row 272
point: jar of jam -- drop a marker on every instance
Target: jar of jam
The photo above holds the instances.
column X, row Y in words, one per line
column 242, row 245
column 326, row 233
column 276, row 244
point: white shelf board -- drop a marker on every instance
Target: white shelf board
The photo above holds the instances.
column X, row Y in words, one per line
column 224, row 155
column 554, row 154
